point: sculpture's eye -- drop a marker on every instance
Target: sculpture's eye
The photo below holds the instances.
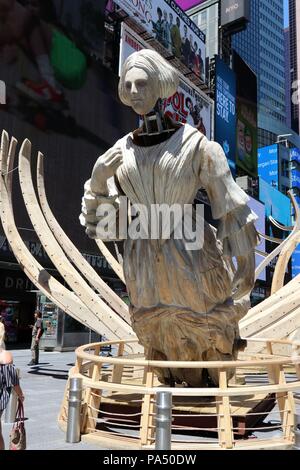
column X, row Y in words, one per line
column 141, row 83
column 128, row 86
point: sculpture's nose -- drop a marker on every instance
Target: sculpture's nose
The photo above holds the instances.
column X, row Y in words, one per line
column 134, row 89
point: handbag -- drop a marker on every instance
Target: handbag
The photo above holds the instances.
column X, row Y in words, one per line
column 17, row 438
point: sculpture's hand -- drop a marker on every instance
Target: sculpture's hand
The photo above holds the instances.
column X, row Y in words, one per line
column 243, row 281
column 105, row 167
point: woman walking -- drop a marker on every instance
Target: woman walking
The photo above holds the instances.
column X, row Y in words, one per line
column 8, row 380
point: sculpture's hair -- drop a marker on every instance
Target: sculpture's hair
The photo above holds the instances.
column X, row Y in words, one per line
column 159, row 70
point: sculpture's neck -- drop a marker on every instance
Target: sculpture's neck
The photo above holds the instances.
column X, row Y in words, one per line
column 156, row 127
column 155, row 123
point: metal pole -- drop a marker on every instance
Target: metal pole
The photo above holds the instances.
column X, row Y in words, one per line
column 11, row 409
column 297, row 433
column 74, row 409
column 163, row 420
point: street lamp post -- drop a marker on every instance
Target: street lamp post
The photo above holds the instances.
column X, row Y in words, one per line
column 280, row 139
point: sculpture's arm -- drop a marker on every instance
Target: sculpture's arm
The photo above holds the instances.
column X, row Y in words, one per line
column 236, row 220
column 100, row 190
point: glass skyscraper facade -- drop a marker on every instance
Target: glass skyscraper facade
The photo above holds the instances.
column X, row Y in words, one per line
column 261, row 45
column 294, row 11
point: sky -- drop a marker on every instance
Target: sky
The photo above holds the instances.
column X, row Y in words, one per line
column 286, row 13
column 190, row 3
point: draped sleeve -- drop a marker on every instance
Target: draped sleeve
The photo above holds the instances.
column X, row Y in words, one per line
column 94, row 204
column 228, row 201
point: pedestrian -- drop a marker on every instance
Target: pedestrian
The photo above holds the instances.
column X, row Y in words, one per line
column 37, row 332
column 2, row 341
column 8, row 380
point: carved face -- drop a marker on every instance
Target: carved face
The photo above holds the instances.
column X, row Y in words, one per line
column 140, row 90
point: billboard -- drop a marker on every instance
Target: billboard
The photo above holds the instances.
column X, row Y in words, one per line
column 268, row 164
column 295, row 155
column 276, row 204
column 225, row 111
column 246, row 154
column 260, row 225
column 296, row 262
column 172, row 28
column 234, row 11
column 295, row 178
column 187, row 4
column 189, row 104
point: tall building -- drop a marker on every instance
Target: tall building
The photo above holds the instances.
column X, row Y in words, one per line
column 287, row 53
column 294, row 11
column 262, row 46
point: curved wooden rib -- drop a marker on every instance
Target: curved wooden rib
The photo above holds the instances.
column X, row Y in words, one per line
column 272, row 310
column 8, row 166
column 47, row 284
column 111, row 260
column 285, row 243
column 278, row 225
column 278, row 315
column 278, row 241
column 73, row 253
column 112, row 325
column 287, row 251
column 261, row 253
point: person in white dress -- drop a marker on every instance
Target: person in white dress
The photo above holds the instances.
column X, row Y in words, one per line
column 184, row 305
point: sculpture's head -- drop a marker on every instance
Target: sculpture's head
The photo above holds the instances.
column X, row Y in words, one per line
column 145, row 77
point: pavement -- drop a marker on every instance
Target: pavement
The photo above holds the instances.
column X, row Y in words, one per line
column 43, row 387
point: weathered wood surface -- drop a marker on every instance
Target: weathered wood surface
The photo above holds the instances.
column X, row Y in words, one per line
column 54, row 290
column 91, row 315
column 73, row 253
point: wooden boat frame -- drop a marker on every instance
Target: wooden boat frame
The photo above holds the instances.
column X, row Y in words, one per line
column 109, row 381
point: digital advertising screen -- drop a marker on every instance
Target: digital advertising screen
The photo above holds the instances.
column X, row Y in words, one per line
column 225, row 111
column 259, row 209
column 276, row 204
column 268, row 164
column 296, row 262
column 295, row 155
column 246, row 153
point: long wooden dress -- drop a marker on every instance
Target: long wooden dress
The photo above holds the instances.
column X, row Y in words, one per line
column 181, row 300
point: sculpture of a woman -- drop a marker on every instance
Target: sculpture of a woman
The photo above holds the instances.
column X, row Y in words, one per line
column 185, row 305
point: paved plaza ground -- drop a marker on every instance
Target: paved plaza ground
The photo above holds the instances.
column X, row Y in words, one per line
column 43, row 387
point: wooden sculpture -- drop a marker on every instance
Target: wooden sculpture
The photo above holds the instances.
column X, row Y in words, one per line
column 185, row 305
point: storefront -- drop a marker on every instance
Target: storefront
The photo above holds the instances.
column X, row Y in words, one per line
column 19, row 298
column 17, row 304
column 61, row 332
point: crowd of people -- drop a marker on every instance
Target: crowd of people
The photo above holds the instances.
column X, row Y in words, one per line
column 183, row 46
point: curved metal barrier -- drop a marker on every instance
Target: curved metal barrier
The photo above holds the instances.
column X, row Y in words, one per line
column 118, row 407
